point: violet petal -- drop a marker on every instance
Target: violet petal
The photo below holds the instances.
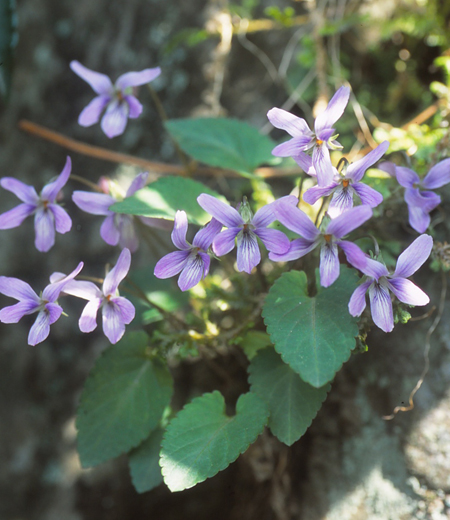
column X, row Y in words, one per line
column 406, row 177
column 117, row 273
column 192, row 273
column 113, row 325
column 224, row 213
column 40, row 329
column 355, row 256
column 224, row 242
column 115, row 119
column 88, row 318
column 127, row 232
column 109, row 231
column 135, row 79
column 368, row 195
column 51, row 190
column 248, row 253
column 21, row 190
column 329, row 264
column 180, row 227
column 171, row 264
column 18, row 289
column 334, row 110
column 298, row 248
column 296, row 220
column 52, row 291
column 93, row 203
column 100, row 83
column 356, row 170
column 322, row 164
column 274, row 240
column 312, row 195
column 414, row 256
column 204, row 238
column 63, row 223
column 438, row 176
column 293, row 146
column 381, row 307
column 137, row 184
column 16, row 312
column 14, row 217
column 44, row 226
column 357, row 302
column 91, row 113
column 284, row 120
column 266, row 215
column 341, row 201
column 348, row 221
column 134, row 106
column 407, row 292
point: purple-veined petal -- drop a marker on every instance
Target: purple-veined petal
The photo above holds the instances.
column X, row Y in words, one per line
column 413, row 256
column 171, row 264
column 419, row 218
column 357, row 302
column 266, row 215
column 93, row 203
column 100, row 83
column 407, row 292
column 117, row 273
column 356, row 170
column 388, row 167
column 78, row 288
column 296, row 220
column 322, row 164
column 341, row 201
column 348, row 221
column 334, row 110
column 406, row 177
column 40, row 329
column 381, row 307
column 50, row 191
column 127, row 233
column 115, row 119
column 224, row 242
column 52, row 291
column 373, row 268
column 312, row 195
column 63, row 223
column 368, row 195
column 16, row 312
column 274, row 240
column 134, row 107
column 293, row 146
column 192, row 273
column 224, row 213
column 354, row 255
column 109, row 230
column 206, row 259
column 329, row 264
column 438, row 176
column 135, row 79
column 125, row 308
column 284, row 120
column 15, row 288
column 54, row 311
column 298, row 248
column 88, row 318
column 248, row 253
column 204, row 238
column 91, row 113
column 325, row 135
column 44, row 227
column 14, row 217
column 21, row 190
column 305, row 162
column 425, row 200
column 180, row 227
column 113, row 324
column 137, row 184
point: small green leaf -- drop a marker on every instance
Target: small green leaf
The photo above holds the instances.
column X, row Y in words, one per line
column 292, row 403
column 315, row 336
column 254, row 341
column 122, row 401
column 201, row 440
column 144, row 463
column 226, row 143
column 8, row 41
column 164, row 197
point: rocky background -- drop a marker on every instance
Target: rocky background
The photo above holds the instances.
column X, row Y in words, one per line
column 352, row 464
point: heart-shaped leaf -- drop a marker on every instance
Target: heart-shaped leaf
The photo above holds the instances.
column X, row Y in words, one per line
column 144, row 463
column 202, row 440
column 315, row 336
column 292, row 403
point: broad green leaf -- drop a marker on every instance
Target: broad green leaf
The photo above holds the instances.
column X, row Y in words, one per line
column 202, row 440
column 315, row 336
column 122, row 401
column 164, row 197
column 144, row 463
column 8, row 40
column 226, row 143
column 292, row 403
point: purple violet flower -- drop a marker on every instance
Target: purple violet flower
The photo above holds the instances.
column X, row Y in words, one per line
column 117, row 311
column 117, row 100
column 328, row 238
column 117, row 228
column 29, row 302
column 379, row 282
column 421, row 203
column 304, row 139
column 48, row 214
column 244, row 228
column 192, row 261
column 347, row 183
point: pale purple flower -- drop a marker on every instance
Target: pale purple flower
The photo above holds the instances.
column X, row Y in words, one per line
column 117, row 311
column 347, row 184
column 192, row 261
column 379, row 282
column 29, row 302
column 328, row 238
column 304, row 139
column 118, row 100
column 244, row 228
column 117, row 228
column 421, row 203
column 48, row 214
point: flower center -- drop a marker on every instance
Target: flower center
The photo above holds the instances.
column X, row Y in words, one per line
column 327, row 238
column 319, row 142
column 345, row 183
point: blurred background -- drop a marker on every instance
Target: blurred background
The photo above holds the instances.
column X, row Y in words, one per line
column 235, row 59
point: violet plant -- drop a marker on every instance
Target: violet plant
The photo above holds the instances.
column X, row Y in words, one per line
column 297, row 305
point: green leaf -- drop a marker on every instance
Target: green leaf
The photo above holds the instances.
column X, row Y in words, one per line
column 292, row 403
column 253, row 341
column 122, row 401
column 226, row 143
column 164, row 197
column 8, row 41
column 201, row 440
column 144, row 463
column 315, row 336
